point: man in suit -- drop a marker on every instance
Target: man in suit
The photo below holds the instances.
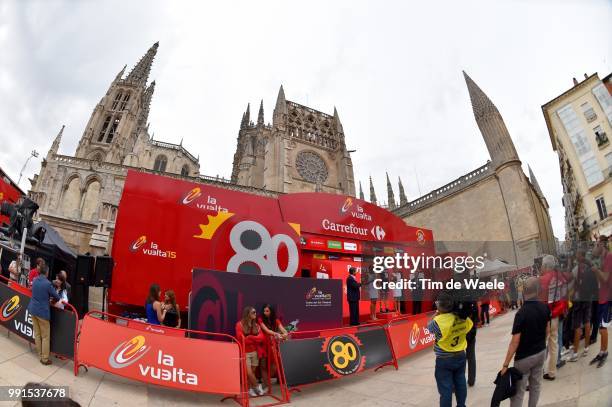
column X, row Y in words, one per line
column 353, row 295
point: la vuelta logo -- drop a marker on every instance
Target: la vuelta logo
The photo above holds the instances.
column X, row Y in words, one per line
column 152, row 250
column 358, row 212
column 191, row 196
column 9, row 308
column 414, row 335
column 128, row 352
column 420, row 235
column 162, row 368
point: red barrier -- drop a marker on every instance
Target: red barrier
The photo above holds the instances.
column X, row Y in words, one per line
column 201, row 365
column 409, row 334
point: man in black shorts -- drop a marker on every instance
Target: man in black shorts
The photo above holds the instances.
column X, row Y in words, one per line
column 581, row 309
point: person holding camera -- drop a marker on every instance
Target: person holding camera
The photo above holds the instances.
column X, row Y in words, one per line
column 450, row 344
column 530, row 329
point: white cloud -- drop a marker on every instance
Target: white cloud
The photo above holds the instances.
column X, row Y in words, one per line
column 393, row 69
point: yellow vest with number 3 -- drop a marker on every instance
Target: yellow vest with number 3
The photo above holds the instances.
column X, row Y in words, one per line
column 453, row 332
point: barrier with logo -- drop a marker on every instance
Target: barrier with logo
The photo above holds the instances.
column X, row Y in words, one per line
column 409, row 334
column 218, row 298
column 335, row 353
column 14, row 316
column 152, row 356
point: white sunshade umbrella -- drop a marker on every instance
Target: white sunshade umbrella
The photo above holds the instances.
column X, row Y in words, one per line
column 494, row 267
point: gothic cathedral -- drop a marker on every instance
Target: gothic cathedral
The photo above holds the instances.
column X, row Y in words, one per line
column 302, row 150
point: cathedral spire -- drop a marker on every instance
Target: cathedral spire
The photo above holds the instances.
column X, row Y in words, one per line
column 534, row 182
column 372, row 193
column 337, row 121
column 390, row 194
column 281, row 102
column 260, row 115
column 402, row 194
column 491, row 125
column 146, row 104
column 56, row 143
column 140, row 74
column 361, row 192
column 246, row 117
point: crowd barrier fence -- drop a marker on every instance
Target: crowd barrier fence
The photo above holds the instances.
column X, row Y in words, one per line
column 159, row 355
column 14, row 316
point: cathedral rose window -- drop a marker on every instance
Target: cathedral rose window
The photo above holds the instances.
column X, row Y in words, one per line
column 311, row 167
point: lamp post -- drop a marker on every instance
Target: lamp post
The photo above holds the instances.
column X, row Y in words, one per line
column 33, row 153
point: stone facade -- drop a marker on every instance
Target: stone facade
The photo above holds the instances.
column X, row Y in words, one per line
column 495, row 209
column 302, row 150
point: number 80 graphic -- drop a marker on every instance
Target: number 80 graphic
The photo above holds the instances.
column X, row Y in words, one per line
column 256, row 249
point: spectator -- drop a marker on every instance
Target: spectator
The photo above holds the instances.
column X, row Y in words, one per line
column 153, row 306
column 249, row 333
column 528, row 345
column 484, row 309
column 61, row 289
column 417, row 293
column 450, row 344
column 397, row 292
column 353, row 295
column 471, row 344
column 553, row 292
column 14, row 270
column 172, row 317
column 513, row 293
column 40, row 264
column 68, row 286
column 42, row 291
column 372, row 293
column 603, row 274
column 584, row 287
column 273, row 328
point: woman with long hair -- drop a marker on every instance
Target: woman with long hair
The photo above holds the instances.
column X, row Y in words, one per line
column 272, row 327
column 173, row 315
column 153, row 307
column 249, row 333
column 62, row 290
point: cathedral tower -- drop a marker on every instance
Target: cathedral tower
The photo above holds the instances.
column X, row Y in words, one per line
column 120, row 117
column 302, row 150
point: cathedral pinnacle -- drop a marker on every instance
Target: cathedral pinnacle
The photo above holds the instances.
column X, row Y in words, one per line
column 361, row 192
column 260, row 115
column 56, row 143
column 372, row 193
column 281, row 102
column 390, row 194
column 402, row 194
column 246, row 117
column 491, row 125
column 337, row 120
column 140, row 74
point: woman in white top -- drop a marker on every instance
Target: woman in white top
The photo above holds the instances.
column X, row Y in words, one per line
column 397, row 292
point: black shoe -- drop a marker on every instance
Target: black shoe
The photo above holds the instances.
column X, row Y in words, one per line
column 561, row 364
column 548, row 377
column 603, row 359
column 45, row 362
column 471, row 384
column 596, row 359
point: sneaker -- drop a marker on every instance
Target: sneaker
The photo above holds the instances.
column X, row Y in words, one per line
column 259, row 389
column 45, row 362
column 252, row 393
column 560, row 364
column 603, row 359
column 573, row 357
column 548, row 377
column 585, row 352
column 265, row 390
column 566, row 351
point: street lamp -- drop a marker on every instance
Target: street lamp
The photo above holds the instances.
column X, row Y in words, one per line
column 33, row 153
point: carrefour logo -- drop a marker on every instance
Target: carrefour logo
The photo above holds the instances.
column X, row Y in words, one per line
column 414, row 335
column 138, row 243
column 347, row 205
column 128, row 352
column 9, row 308
column 192, row 195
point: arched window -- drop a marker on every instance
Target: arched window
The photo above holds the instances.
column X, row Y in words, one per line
column 160, row 163
column 185, row 171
